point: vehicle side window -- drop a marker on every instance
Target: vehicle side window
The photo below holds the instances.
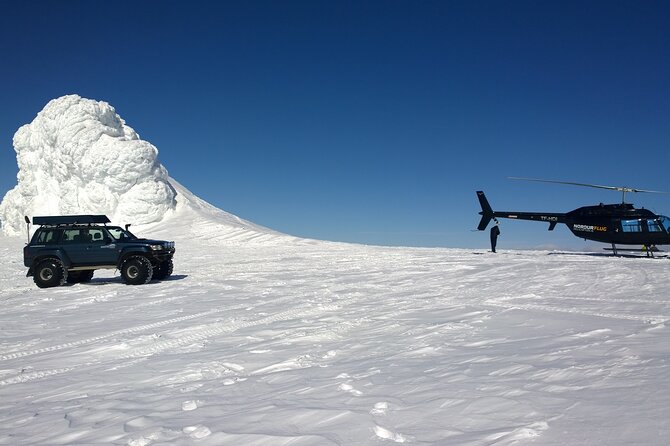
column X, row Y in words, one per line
column 631, row 226
column 47, row 236
column 96, row 235
column 73, row 236
column 119, row 234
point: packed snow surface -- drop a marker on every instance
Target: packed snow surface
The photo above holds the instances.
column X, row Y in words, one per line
column 263, row 339
column 79, row 157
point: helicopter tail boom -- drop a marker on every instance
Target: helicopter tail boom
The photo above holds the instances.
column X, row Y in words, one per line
column 488, row 213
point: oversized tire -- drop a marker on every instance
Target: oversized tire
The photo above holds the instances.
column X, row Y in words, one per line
column 79, row 276
column 49, row 273
column 163, row 270
column 137, row 270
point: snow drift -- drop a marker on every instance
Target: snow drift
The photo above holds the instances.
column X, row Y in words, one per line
column 79, row 157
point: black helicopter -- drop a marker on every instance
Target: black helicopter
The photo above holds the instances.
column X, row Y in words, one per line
column 617, row 224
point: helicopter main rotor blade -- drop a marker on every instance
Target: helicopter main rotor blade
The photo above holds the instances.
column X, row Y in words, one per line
column 617, row 188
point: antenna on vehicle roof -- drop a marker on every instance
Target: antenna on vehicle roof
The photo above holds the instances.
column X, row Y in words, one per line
column 27, row 226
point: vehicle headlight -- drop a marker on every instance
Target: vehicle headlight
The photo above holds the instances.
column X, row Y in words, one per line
column 156, row 247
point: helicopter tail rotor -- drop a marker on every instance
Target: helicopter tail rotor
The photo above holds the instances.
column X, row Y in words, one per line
column 486, row 213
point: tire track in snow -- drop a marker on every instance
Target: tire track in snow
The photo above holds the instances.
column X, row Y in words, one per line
column 137, row 329
column 508, row 304
column 597, row 299
column 125, row 331
column 32, row 376
column 159, row 347
column 206, row 333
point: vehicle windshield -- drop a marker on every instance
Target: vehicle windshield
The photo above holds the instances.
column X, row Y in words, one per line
column 120, row 234
column 665, row 222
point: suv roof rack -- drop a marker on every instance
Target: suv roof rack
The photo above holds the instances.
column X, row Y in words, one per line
column 70, row 220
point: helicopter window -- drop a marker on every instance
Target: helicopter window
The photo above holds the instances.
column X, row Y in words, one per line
column 631, row 226
column 654, row 226
column 664, row 222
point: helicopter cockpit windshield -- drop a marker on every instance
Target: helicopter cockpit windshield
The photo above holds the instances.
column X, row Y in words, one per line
column 664, row 222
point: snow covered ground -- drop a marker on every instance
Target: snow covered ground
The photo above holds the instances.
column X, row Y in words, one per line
column 265, row 339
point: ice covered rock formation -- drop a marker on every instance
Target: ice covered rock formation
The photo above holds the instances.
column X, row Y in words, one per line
column 79, row 157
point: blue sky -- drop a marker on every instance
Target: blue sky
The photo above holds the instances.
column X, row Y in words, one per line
column 371, row 122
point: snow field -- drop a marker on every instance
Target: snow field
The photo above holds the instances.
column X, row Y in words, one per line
column 268, row 340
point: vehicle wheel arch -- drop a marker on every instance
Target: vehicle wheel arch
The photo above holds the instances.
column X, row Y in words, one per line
column 128, row 254
column 51, row 255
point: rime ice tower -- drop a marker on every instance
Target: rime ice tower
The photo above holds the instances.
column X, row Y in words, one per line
column 79, row 157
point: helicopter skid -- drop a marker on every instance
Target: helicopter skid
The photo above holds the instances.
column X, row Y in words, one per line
column 648, row 251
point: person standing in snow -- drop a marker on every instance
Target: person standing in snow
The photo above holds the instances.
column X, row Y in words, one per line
column 495, row 232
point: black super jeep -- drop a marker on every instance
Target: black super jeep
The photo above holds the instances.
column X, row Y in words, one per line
column 69, row 248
